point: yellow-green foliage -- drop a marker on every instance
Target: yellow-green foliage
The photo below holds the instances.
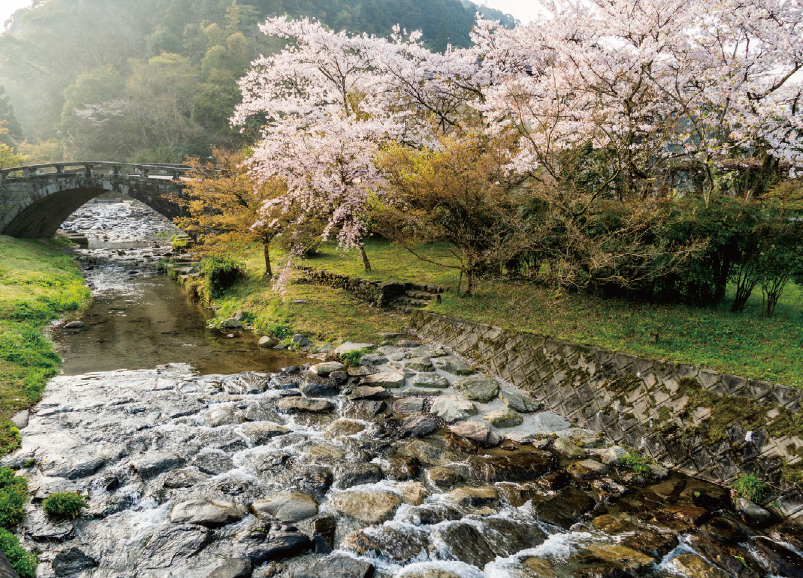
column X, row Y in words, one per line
column 64, row 505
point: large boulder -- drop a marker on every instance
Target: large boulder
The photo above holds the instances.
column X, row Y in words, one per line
column 477, row 388
column 287, row 507
column 208, row 513
column 452, row 408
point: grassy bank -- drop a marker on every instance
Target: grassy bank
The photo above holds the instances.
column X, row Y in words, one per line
column 38, row 283
column 745, row 343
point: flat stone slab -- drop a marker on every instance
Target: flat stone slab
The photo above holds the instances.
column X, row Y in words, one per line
column 519, row 402
column 389, row 379
column 477, row 388
column 304, row 405
column 452, row 408
column 324, row 369
column 548, row 422
column 451, row 364
column 429, row 380
column 348, row 347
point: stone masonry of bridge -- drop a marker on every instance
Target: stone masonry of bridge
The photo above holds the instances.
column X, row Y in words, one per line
column 35, row 200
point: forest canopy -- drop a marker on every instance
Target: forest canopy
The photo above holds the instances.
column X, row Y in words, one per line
column 156, row 80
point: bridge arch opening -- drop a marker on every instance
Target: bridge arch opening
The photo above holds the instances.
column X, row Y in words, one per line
column 36, row 200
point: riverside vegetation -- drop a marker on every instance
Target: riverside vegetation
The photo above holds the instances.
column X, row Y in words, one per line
column 38, row 284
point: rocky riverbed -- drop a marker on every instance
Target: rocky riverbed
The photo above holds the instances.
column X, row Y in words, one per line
column 408, row 465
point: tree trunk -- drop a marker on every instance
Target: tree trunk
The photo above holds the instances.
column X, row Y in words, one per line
column 266, row 251
column 366, row 263
column 469, row 281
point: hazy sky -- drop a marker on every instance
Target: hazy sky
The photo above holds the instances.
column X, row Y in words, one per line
column 521, row 9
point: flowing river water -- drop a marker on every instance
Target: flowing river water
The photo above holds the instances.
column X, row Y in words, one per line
column 204, row 456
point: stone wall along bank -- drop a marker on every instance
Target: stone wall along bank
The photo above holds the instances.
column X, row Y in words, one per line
column 712, row 425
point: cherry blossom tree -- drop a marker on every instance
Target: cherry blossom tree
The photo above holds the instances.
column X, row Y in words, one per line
column 317, row 137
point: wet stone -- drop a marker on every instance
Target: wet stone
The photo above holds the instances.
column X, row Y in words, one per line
column 154, row 463
column 371, row 507
column 208, row 513
column 336, row 567
column 466, row 544
column 695, row 567
column 72, row 562
column 400, row 545
column 244, row 383
column 223, row 416
column 348, row 475
column 343, row 427
column 479, row 432
column 588, row 469
column 408, row 405
column 567, row 449
column 304, row 405
column 362, row 392
column 213, row 462
column 185, row 478
column 263, row 411
column 507, row 537
column 651, row 542
column 520, row 466
column 232, row 568
column 363, row 409
column 287, row 507
column 172, row 544
column 778, row 559
column 262, row 432
column 444, row 478
column 324, row 369
column 277, row 544
column 38, row 526
column 735, row 561
column 416, row 426
column 401, row 468
column 315, row 386
column 475, row 500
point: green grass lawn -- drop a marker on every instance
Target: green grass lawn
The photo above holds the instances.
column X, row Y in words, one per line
column 38, row 283
column 744, row 343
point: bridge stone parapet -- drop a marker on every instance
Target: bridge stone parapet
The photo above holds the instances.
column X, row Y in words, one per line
column 36, row 199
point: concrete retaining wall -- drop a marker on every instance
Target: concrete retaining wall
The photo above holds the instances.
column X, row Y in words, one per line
column 701, row 422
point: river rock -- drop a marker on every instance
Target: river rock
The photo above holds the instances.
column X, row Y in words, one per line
column 477, row 388
column 287, row 507
column 304, row 405
column 213, row 462
column 172, row 544
column 507, row 537
column 453, row 365
column 208, row 513
column 277, row 544
column 387, row 379
column 401, row 468
column 371, row 507
column 343, row 427
column 348, row 347
column 614, row 455
column 373, row 359
column 452, row 408
column 420, row 364
column 299, row 340
column 412, row 493
column 399, row 545
column 588, row 469
column 752, row 513
column 267, row 341
column 734, row 560
column 324, row 369
column 519, row 466
column 261, row 432
column 777, row 559
column 40, row 527
column 429, row 380
column 567, row 449
column 223, row 416
column 503, row 418
column 231, row 323
column 444, row 478
column 315, row 386
column 20, row 419
column 154, row 463
column 233, row 568
column 335, row 567
column 348, row 475
column 416, row 426
column 368, row 392
column 244, row 383
column 184, row 478
column 483, row 500
column 408, row 405
column 479, row 432
column 695, row 567
column 466, row 544
column 263, row 411
column 519, row 402
column 72, row 562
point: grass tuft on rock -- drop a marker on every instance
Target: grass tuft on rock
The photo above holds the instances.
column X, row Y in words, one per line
column 64, row 505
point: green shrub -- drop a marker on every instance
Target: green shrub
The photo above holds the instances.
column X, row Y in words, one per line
column 352, row 358
column 278, row 330
column 21, row 560
column 64, row 505
column 178, row 243
column 13, row 495
column 639, row 464
column 750, row 487
column 221, row 272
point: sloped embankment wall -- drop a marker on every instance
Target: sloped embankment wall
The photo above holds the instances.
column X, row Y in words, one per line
column 701, row 422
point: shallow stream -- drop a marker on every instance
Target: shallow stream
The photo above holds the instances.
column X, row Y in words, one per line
column 410, row 465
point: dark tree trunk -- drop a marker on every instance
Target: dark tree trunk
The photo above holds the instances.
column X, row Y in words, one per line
column 366, row 263
column 266, row 251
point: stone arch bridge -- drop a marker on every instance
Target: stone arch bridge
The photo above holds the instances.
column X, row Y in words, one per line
column 36, row 199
